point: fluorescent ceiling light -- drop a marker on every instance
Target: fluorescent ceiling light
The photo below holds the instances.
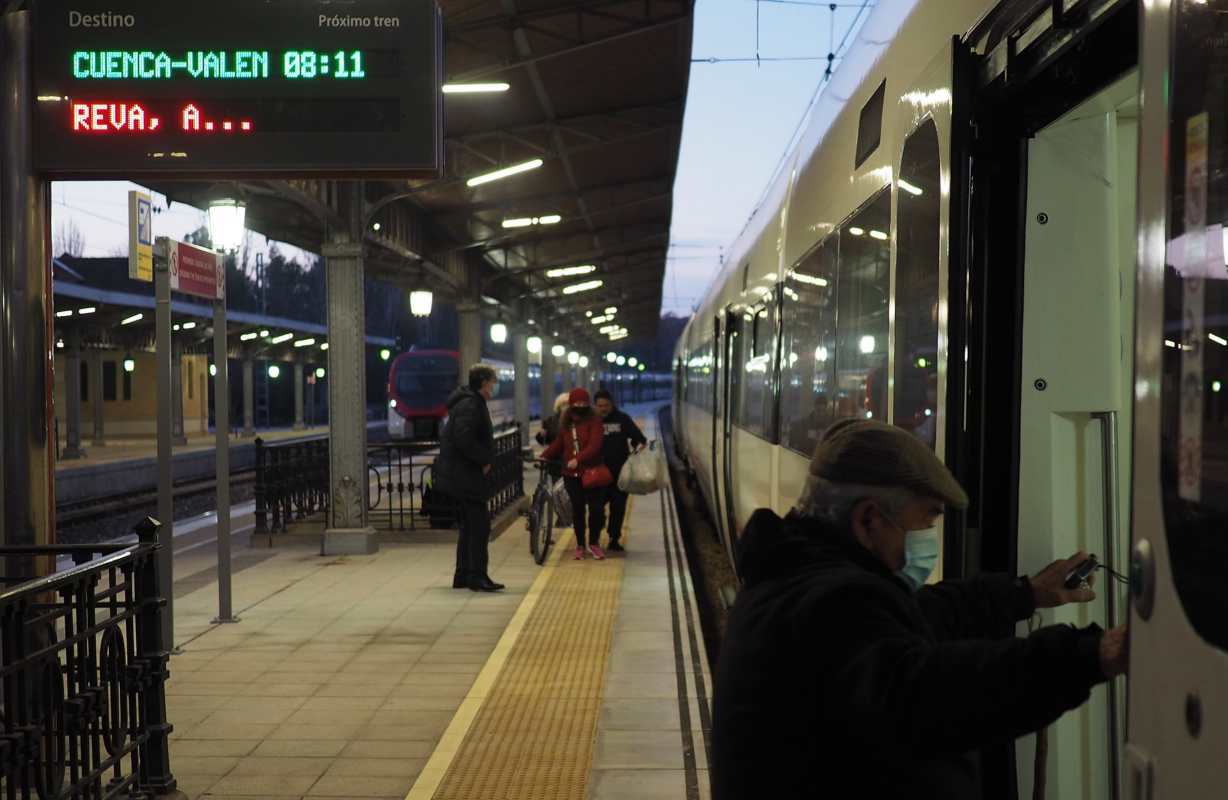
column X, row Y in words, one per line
column 802, row 277
column 132, row 319
column 506, row 172
column 187, row 326
column 612, row 310
column 567, row 272
column 86, row 310
column 857, row 231
column 247, row 337
column 910, row 188
column 609, row 329
column 601, row 320
column 587, row 286
column 475, row 88
column 882, row 237
column 62, row 314
column 521, row 222
column 285, row 337
column 304, row 342
column 324, row 346
column 1218, row 339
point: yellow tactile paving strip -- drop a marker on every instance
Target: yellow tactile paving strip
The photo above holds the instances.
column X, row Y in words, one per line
column 527, row 727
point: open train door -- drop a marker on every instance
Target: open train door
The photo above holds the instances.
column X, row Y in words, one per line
column 1177, row 729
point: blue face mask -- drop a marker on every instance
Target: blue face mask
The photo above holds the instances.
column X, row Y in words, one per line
column 494, row 391
column 920, row 556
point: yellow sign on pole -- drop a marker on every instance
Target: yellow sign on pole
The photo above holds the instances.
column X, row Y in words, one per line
column 140, row 236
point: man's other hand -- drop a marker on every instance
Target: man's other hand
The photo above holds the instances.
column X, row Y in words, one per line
column 1114, row 652
column 1048, row 586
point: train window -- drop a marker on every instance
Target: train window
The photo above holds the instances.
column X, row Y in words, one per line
column 863, row 281
column 870, row 126
column 108, row 381
column 1194, row 410
column 918, row 217
column 807, row 368
column 757, row 403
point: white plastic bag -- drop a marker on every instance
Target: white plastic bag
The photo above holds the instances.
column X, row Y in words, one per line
column 643, row 473
column 562, row 504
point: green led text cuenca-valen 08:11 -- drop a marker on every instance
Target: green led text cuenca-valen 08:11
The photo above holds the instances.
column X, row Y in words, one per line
column 216, row 65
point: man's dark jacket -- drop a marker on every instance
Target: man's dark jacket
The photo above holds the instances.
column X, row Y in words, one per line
column 619, row 429
column 836, row 680
column 466, row 445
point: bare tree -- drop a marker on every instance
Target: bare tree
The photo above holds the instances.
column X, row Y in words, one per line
column 68, row 240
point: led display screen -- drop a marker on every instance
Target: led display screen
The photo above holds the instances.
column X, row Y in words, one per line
column 237, row 88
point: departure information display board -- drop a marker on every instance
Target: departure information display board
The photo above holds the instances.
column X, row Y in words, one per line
column 237, row 88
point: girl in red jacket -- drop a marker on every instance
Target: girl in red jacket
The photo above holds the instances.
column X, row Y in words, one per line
column 579, row 446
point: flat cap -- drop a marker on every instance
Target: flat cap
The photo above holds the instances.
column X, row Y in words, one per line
column 877, row 454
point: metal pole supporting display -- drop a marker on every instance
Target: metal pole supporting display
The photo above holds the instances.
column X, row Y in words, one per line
column 221, row 425
column 166, row 501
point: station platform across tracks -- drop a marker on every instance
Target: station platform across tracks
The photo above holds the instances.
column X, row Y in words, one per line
column 370, row 676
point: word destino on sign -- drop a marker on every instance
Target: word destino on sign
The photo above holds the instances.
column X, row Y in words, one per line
column 293, row 90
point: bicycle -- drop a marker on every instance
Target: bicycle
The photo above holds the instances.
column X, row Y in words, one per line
column 541, row 512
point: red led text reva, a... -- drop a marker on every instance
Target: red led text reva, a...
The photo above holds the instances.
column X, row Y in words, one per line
column 120, row 117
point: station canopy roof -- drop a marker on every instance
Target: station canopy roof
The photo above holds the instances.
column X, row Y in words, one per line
column 597, row 92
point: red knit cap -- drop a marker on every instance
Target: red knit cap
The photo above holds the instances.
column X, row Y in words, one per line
column 579, row 396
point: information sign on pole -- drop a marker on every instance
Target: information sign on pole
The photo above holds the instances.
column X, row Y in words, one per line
column 236, row 88
column 140, row 236
column 197, row 271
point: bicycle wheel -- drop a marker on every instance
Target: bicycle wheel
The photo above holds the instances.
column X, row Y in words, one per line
column 547, row 525
column 537, row 527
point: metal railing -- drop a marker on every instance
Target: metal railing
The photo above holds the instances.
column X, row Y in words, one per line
column 402, row 476
column 83, row 672
column 292, row 483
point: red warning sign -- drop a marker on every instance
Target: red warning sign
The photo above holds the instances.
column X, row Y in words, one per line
column 197, row 271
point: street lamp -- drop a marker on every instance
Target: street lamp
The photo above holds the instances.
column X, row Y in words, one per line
column 631, row 362
column 583, row 362
column 129, row 363
column 420, row 302
column 226, row 224
column 498, row 333
column 558, row 351
column 611, row 357
column 573, row 358
column 621, row 361
column 274, row 371
column 534, row 344
column 385, row 354
column 320, row 373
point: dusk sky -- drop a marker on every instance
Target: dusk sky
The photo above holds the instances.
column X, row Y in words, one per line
column 739, row 119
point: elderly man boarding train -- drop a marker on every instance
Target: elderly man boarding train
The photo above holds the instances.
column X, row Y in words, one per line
column 843, row 675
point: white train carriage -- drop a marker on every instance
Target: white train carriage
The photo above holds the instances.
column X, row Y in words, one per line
column 1003, row 228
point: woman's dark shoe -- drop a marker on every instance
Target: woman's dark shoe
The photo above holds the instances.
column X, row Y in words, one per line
column 484, row 585
column 460, row 581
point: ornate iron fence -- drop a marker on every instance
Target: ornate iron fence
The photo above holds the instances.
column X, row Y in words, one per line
column 292, row 483
column 83, row 670
column 402, row 476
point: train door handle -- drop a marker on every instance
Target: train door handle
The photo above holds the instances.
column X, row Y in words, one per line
column 1141, row 772
column 1108, row 451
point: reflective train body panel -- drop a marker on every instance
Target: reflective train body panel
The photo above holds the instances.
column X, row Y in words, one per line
column 991, row 233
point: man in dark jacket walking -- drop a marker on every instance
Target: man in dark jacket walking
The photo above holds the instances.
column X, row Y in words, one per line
column 466, row 454
column 621, row 434
column 842, row 675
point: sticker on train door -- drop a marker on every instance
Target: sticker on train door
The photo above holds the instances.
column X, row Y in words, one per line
column 1189, row 468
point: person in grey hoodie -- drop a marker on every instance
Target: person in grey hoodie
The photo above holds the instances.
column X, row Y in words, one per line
column 466, row 455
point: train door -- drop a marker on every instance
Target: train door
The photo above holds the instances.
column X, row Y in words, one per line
column 720, row 437
column 732, row 358
column 1178, row 692
column 1075, row 398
